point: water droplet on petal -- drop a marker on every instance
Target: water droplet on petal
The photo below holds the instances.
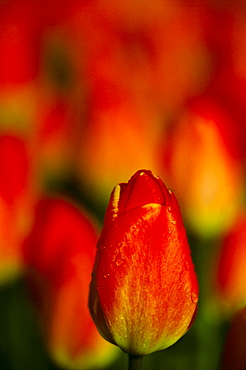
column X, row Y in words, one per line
column 187, row 266
column 118, row 262
column 100, row 287
column 194, row 297
column 106, row 276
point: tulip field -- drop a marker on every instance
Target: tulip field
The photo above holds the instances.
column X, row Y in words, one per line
column 122, row 185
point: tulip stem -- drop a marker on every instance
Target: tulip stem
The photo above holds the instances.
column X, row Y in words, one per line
column 134, row 362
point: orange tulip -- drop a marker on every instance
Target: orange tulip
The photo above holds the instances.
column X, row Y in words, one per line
column 59, row 255
column 144, row 290
column 145, row 51
column 203, row 166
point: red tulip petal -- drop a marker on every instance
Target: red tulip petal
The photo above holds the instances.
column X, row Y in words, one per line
column 144, row 289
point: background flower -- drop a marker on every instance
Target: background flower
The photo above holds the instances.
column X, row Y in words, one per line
column 230, row 267
column 203, row 164
column 59, row 254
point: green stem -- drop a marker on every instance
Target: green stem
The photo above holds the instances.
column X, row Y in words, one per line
column 134, row 362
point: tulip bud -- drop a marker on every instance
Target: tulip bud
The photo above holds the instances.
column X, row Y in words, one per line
column 144, row 290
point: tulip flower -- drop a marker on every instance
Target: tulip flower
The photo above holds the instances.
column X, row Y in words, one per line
column 59, row 254
column 55, row 137
column 145, row 52
column 230, row 269
column 16, row 202
column 203, row 156
column 227, row 33
column 144, row 290
column 234, row 351
column 20, row 40
column 20, row 44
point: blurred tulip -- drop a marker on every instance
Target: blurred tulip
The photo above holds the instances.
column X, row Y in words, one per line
column 59, row 255
column 144, row 290
column 116, row 142
column 145, row 52
column 234, row 351
column 203, row 165
column 227, row 38
column 159, row 46
column 230, row 269
column 20, row 44
column 55, row 137
column 16, row 202
column 115, row 138
column 20, row 40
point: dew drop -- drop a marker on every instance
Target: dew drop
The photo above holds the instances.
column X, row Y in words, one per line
column 194, row 297
column 187, row 266
column 106, row 276
column 115, row 253
column 100, row 287
column 118, row 262
column 169, row 209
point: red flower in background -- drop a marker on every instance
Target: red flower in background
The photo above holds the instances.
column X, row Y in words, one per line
column 204, row 166
column 16, row 202
column 144, row 289
column 21, row 32
column 55, row 137
column 59, row 255
column 226, row 31
column 145, row 51
column 20, row 41
column 230, row 269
